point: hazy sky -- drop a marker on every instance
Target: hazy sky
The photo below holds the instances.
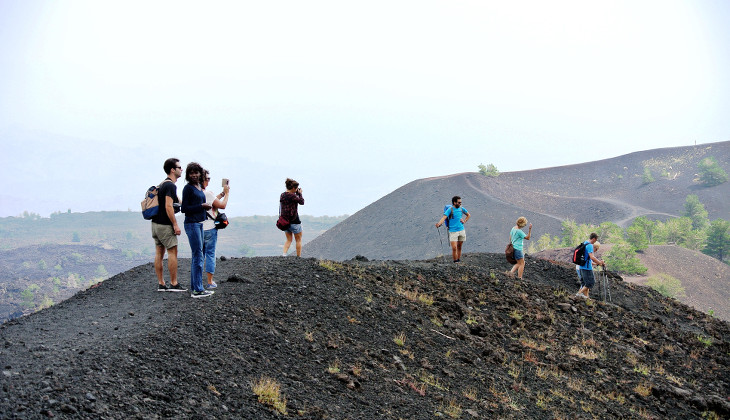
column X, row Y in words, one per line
column 353, row 99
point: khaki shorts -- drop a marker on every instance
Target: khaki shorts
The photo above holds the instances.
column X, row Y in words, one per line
column 459, row 236
column 164, row 235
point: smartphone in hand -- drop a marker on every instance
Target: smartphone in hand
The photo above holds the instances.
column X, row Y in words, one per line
column 225, row 182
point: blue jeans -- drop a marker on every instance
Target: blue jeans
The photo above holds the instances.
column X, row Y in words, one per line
column 195, row 238
column 210, row 238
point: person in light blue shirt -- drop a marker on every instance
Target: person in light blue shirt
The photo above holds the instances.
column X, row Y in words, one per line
column 586, row 270
column 516, row 236
column 457, row 216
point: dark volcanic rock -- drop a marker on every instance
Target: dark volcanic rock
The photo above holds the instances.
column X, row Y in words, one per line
column 367, row 340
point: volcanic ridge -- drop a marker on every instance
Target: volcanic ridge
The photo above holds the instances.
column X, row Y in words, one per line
column 366, row 339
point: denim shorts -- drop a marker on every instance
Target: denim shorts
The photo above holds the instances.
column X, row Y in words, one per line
column 587, row 278
column 519, row 254
column 295, row 228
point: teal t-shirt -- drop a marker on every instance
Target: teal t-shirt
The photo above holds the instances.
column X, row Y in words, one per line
column 455, row 224
column 589, row 250
column 517, row 236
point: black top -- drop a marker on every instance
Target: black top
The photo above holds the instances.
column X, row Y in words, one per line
column 167, row 189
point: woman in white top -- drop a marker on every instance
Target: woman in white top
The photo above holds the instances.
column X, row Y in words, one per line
column 210, row 233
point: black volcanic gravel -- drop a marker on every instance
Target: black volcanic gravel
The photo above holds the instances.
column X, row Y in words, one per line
column 476, row 344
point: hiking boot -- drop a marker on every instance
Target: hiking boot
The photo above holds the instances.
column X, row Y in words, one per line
column 203, row 293
column 176, row 288
column 212, row 285
column 161, row 288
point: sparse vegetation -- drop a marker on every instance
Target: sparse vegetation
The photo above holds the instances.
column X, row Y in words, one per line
column 268, row 392
column 711, row 173
column 666, row 285
column 488, row 170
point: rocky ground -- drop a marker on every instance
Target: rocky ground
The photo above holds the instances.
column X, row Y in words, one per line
column 706, row 280
column 366, row 340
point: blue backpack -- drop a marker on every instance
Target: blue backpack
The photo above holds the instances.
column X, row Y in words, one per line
column 451, row 215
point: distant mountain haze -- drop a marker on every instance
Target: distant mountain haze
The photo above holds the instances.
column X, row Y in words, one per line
column 401, row 224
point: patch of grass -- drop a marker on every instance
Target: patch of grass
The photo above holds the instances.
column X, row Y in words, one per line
column 543, row 401
column 330, row 265
column 452, row 409
column 643, row 389
column 560, row 292
column 545, row 372
column 470, row 394
column 706, row 341
column 356, row 369
column 575, row 384
column 369, row 297
column 674, row 379
column 471, row 320
column 437, row 322
column 448, row 354
column 559, row 394
column 529, row 356
column 583, row 353
column 400, row 339
column 514, row 370
column 334, row 367
column 642, row 369
column 433, row 381
column 515, row 314
column 268, row 392
column 532, row 344
column 425, row 299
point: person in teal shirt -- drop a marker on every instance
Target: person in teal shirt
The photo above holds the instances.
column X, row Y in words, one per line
column 516, row 236
column 457, row 233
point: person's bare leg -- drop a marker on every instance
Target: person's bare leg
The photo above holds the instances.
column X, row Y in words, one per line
column 159, row 255
column 172, row 265
column 458, row 249
column 454, row 250
column 520, row 268
column 287, row 244
column 298, row 238
column 210, row 278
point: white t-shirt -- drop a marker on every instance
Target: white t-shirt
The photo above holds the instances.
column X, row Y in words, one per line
column 209, row 224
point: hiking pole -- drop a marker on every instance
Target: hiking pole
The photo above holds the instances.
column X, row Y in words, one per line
column 443, row 258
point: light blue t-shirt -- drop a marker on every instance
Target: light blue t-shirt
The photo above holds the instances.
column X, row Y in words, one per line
column 517, row 236
column 455, row 224
column 589, row 250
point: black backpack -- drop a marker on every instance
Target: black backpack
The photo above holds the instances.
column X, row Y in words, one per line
column 579, row 254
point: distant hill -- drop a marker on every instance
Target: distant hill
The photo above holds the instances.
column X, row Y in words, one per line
column 366, row 340
column 705, row 279
column 46, row 260
column 401, row 224
column 129, row 232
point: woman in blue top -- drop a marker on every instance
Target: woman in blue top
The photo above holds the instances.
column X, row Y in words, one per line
column 194, row 207
column 516, row 235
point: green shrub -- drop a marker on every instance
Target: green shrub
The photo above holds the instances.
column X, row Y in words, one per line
column 489, row 170
column 647, row 178
column 710, row 172
column 622, row 258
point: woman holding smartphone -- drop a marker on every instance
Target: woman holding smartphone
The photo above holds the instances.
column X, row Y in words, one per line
column 210, row 233
column 289, row 200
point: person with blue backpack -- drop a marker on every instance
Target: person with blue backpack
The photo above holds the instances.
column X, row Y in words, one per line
column 455, row 216
column 586, row 261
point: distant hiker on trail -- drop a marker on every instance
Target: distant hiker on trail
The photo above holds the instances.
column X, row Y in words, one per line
column 586, row 270
column 195, row 207
column 165, row 228
column 457, row 233
column 289, row 201
column 516, row 235
column 210, row 233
